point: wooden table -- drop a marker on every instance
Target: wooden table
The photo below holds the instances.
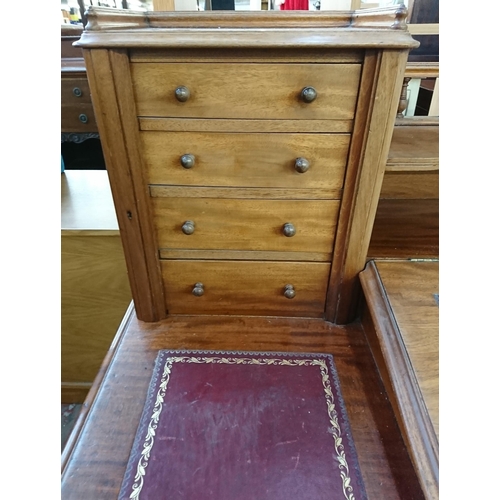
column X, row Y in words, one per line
column 95, row 288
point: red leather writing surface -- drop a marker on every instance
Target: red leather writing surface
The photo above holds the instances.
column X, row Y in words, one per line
column 247, row 426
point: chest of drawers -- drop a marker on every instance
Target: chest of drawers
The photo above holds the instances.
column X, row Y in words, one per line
column 245, row 153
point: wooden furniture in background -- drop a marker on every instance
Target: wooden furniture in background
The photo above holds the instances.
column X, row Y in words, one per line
column 401, row 321
column 407, row 220
column 94, row 290
column 210, row 81
column 77, row 113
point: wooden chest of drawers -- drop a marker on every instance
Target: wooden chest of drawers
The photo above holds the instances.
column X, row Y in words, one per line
column 245, row 153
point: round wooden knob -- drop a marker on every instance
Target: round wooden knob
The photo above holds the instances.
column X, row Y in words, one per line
column 187, row 161
column 289, row 230
column 301, row 165
column 182, row 93
column 308, row 94
column 289, row 292
column 198, row 290
column 188, row 227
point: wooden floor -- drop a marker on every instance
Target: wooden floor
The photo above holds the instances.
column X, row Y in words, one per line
column 94, row 466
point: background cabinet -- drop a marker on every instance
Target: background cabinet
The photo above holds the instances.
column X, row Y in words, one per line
column 94, row 287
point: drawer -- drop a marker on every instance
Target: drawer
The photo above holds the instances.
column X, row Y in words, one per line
column 258, row 91
column 251, row 288
column 229, row 224
column 75, row 91
column 78, row 117
column 246, row 160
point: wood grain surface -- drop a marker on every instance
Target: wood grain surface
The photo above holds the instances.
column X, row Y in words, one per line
column 255, row 224
column 272, row 193
column 413, row 391
column 67, row 87
column 247, row 126
column 414, row 147
column 94, row 282
column 264, row 91
column 246, row 287
column 95, row 293
column 405, row 229
column 98, row 459
column 118, row 131
column 379, row 93
column 410, row 185
column 410, row 288
column 252, row 160
column 277, row 55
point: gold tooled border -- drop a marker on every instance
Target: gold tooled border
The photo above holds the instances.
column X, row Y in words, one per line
column 160, row 395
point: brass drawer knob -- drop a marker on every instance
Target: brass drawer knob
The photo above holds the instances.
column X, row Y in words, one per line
column 289, row 292
column 187, row 161
column 289, row 230
column 308, row 94
column 198, row 290
column 301, row 165
column 188, row 227
column 182, row 93
column 77, row 92
column 83, row 118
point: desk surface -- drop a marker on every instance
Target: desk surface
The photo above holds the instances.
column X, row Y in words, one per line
column 98, row 459
column 86, row 201
column 410, row 288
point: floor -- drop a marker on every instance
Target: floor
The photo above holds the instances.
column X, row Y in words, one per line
column 69, row 415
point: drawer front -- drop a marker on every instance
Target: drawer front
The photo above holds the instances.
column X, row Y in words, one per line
column 259, row 91
column 246, row 160
column 259, row 225
column 244, row 287
column 78, row 118
column 75, row 91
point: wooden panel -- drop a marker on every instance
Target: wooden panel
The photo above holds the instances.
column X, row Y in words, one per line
column 227, row 192
column 166, row 253
column 254, row 160
column 246, row 224
column 112, row 95
column 70, row 34
column 277, row 55
column 413, row 393
column 67, row 94
column 70, row 117
column 92, row 392
column 249, row 126
column 404, row 229
column 244, row 287
column 246, row 90
column 113, row 410
column 95, row 294
column 410, row 288
column 370, row 146
column 414, row 147
column 410, row 185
